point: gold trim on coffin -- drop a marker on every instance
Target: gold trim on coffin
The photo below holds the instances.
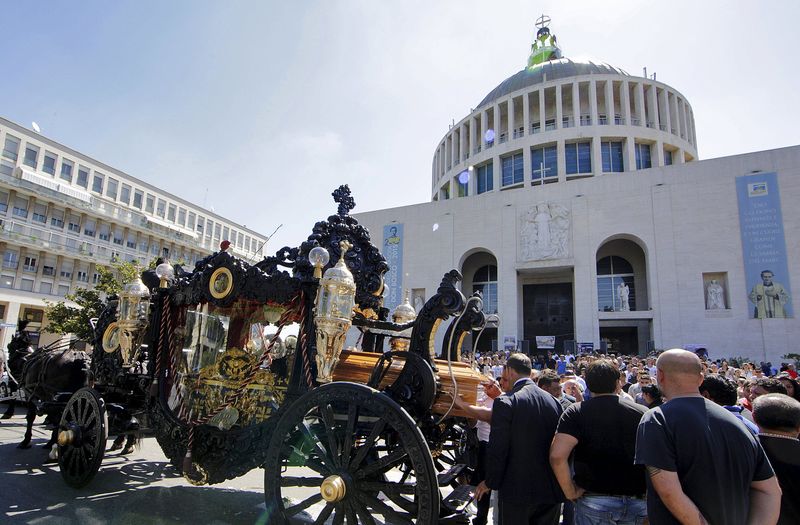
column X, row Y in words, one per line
column 208, row 389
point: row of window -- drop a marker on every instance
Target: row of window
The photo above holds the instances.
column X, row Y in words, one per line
column 39, row 213
column 101, row 184
column 27, row 284
column 544, row 164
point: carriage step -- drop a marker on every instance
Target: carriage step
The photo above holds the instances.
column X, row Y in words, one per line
column 446, row 477
column 457, row 518
column 459, row 499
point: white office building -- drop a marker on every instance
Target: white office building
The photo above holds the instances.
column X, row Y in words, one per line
column 63, row 213
column 573, row 197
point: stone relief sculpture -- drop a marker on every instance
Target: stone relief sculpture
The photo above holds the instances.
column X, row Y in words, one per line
column 715, row 296
column 544, row 232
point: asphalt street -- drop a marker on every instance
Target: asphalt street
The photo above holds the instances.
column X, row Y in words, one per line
column 141, row 488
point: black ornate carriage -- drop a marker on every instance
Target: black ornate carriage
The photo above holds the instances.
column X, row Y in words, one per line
column 225, row 373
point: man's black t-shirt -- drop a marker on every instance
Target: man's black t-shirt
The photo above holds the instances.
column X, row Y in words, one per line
column 716, row 458
column 605, row 427
column 784, row 454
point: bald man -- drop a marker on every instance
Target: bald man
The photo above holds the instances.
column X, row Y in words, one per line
column 703, row 465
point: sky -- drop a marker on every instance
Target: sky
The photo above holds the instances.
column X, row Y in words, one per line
column 260, row 109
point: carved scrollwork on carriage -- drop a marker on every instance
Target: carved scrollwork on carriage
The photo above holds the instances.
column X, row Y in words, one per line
column 246, row 368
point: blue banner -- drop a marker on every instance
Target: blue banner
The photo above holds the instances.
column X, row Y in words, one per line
column 763, row 246
column 393, row 253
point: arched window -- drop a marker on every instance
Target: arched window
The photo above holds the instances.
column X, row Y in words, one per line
column 612, row 272
column 485, row 281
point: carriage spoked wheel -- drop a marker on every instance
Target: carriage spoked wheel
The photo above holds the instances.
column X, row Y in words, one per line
column 82, row 436
column 346, row 453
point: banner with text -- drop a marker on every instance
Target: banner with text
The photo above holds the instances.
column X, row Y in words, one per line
column 763, row 246
column 393, row 253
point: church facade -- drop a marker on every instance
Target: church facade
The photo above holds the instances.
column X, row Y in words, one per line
column 572, row 197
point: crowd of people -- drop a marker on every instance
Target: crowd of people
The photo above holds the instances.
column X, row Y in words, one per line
column 605, row 439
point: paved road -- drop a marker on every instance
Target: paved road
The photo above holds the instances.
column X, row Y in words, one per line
column 142, row 488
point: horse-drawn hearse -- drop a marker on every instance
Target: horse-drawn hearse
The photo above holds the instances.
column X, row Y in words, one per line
column 234, row 366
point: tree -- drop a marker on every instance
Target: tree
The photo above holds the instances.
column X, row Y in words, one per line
column 65, row 319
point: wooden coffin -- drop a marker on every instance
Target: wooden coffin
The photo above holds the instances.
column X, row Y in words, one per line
column 357, row 367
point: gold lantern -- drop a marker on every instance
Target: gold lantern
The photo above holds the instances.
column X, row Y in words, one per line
column 404, row 313
column 134, row 306
column 334, row 310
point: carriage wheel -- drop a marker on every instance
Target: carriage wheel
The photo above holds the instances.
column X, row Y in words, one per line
column 348, row 452
column 82, row 437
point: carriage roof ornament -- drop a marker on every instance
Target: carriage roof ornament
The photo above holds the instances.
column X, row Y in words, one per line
column 343, row 197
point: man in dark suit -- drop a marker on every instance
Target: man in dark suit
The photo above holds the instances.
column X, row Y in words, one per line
column 524, row 421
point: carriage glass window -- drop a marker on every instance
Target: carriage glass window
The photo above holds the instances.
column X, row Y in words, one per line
column 222, row 349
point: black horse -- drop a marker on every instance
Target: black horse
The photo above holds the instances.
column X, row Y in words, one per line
column 47, row 377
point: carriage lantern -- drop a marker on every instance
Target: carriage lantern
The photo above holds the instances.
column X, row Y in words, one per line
column 334, row 309
column 134, row 304
column 404, row 313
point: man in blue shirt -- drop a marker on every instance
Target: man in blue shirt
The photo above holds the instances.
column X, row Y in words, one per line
column 722, row 391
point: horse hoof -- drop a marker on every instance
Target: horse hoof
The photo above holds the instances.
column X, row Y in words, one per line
column 24, row 445
column 50, row 461
column 126, row 451
column 7, row 416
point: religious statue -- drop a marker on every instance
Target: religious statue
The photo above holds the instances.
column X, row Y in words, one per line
column 715, row 296
column 623, row 292
column 769, row 297
column 544, row 232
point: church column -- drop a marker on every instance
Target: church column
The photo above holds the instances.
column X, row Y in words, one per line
column 496, row 124
column 559, row 110
column 597, row 155
column 657, row 154
column 625, row 100
column 664, row 103
column 562, row 161
column 609, row 96
column 673, row 108
column 526, row 114
column 576, row 103
column 512, row 122
column 542, row 111
column 484, row 129
column 652, row 105
column 593, row 101
column 463, row 149
column 638, row 98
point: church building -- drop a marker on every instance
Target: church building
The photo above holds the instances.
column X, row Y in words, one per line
column 573, row 198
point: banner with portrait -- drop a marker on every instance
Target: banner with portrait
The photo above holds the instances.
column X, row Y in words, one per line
column 393, row 253
column 764, row 246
